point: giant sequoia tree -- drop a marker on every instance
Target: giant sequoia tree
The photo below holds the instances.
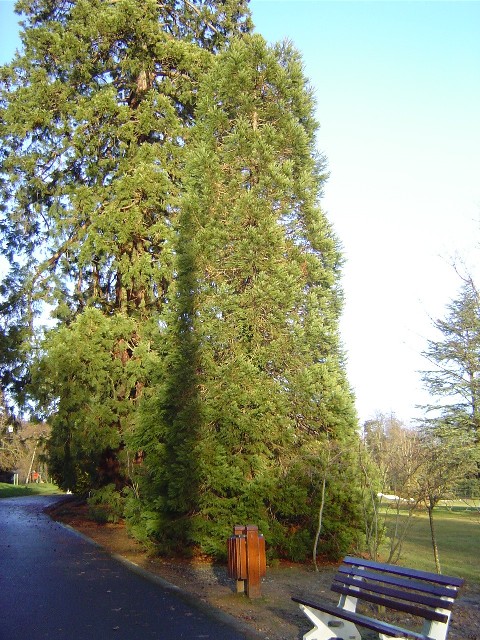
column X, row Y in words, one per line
column 255, row 369
column 94, row 118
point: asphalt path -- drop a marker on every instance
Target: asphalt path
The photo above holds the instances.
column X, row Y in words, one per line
column 56, row 584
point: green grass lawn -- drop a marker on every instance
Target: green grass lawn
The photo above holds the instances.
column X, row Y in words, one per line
column 469, row 504
column 458, row 540
column 11, row 491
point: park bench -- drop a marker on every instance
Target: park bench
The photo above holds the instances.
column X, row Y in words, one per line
column 425, row 595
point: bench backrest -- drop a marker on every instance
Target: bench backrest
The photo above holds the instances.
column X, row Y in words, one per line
column 419, row 593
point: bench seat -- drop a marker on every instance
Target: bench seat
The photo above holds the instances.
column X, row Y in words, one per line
column 427, row 596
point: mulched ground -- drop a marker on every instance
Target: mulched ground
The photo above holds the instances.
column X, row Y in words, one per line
column 273, row 615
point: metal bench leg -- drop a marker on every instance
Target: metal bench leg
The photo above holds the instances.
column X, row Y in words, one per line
column 327, row 627
column 437, row 630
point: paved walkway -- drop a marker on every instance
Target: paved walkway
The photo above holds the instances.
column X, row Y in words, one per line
column 55, row 585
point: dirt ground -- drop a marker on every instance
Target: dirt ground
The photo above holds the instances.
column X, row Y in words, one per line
column 274, row 616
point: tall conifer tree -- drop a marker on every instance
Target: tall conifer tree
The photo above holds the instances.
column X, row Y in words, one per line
column 256, row 372
column 455, row 356
column 94, row 117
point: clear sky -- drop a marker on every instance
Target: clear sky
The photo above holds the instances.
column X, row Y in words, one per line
column 398, row 100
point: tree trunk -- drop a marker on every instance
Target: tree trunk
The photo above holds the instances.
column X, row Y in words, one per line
column 319, row 526
column 433, row 537
column 31, row 463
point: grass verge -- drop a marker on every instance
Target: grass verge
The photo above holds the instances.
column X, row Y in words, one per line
column 12, row 491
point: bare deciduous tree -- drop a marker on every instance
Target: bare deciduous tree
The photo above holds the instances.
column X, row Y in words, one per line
column 389, row 461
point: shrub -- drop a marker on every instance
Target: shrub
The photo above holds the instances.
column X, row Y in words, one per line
column 106, row 504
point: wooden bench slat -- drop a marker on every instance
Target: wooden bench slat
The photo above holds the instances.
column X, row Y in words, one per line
column 401, row 594
column 422, row 594
column 424, row 586
column 364, row 621
column 423, row 612
column 405, row 571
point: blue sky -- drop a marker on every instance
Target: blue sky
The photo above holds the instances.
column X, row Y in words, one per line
column 398, row 100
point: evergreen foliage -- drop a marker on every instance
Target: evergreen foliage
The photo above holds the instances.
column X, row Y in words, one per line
column 454, row 382
column 89, row 381
column 455, row 378
column 255, row 371
column 95, row 113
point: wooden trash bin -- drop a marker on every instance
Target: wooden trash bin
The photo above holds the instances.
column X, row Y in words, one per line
column 247, row 562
